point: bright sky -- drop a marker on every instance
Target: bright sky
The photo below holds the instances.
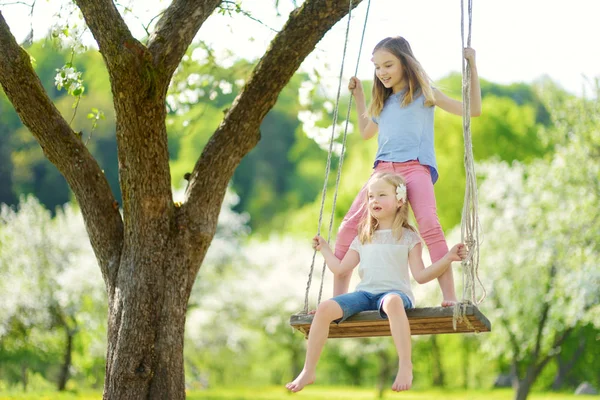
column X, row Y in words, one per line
column 515, row 40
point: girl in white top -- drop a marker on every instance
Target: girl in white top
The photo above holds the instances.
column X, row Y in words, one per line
column 386, row 246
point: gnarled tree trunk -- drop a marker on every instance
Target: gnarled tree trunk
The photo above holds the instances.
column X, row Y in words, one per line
column 150, row 255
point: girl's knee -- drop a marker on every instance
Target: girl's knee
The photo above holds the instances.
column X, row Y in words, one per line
column 329, row 309
column 393, row 303
column 431, row 231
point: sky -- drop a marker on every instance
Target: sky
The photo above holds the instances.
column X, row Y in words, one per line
column 515, row 40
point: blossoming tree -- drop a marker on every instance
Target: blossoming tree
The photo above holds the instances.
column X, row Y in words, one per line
column 50, row 279
column 540, row 248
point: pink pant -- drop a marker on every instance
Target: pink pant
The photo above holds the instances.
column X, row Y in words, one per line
column 421, row 198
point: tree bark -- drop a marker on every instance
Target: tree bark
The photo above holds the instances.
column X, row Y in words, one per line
column 524, row 387
column 150, row 256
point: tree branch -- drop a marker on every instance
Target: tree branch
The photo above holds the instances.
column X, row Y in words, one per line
column 64, row 149
column 111, row 33
column 175, row 31
column 239, row 131
column 139, row 100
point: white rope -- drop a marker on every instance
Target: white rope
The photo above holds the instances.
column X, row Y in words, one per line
column 470, row 227
column 329, row 156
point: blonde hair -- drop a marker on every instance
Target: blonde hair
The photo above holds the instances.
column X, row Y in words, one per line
column 417, row 79
column 369, row 224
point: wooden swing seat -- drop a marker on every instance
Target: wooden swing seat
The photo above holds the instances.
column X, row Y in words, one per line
column 423, row 321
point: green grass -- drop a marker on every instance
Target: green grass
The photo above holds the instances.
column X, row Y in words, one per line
column 350, row 393
column 15, row 395
column 315, row 393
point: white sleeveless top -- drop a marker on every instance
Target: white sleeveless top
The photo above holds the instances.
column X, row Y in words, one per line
column 383, row 263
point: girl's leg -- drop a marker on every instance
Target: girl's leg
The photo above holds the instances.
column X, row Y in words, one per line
column 421, row 197
column 400, row 328
column 327, row 312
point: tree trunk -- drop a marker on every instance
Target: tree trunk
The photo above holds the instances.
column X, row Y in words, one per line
column 66, row 366
column 466, row 362
column 523, row 390
column 146, row 328
column 385, row 370
column 524, row 385
column 436, row 363
column 24, row 376
column 297, row 359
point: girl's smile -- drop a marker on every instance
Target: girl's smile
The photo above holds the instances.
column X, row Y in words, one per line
column 389, row 70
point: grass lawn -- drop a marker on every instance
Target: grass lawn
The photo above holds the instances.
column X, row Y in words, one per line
column 316, row 393
column 350, row 393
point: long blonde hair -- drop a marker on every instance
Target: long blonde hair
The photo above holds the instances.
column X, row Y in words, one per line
column 369, row 224
column 417, row 79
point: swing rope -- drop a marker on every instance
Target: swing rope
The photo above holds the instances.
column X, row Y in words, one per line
column 330, row 152
column 470, row 227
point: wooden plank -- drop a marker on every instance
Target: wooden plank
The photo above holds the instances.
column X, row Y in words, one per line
column 423, row 321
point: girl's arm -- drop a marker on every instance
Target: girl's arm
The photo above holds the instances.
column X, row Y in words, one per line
column 424, row 275
column 336, row 266
column 366, row 126
column 454, row 106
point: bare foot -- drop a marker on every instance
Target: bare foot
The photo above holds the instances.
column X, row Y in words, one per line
column 302, row 380
column 403, row 378
column 449, row 303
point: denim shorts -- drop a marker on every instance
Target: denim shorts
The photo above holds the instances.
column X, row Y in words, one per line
column 355, row 302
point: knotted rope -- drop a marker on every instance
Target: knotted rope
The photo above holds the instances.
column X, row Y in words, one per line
column 470, row 227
